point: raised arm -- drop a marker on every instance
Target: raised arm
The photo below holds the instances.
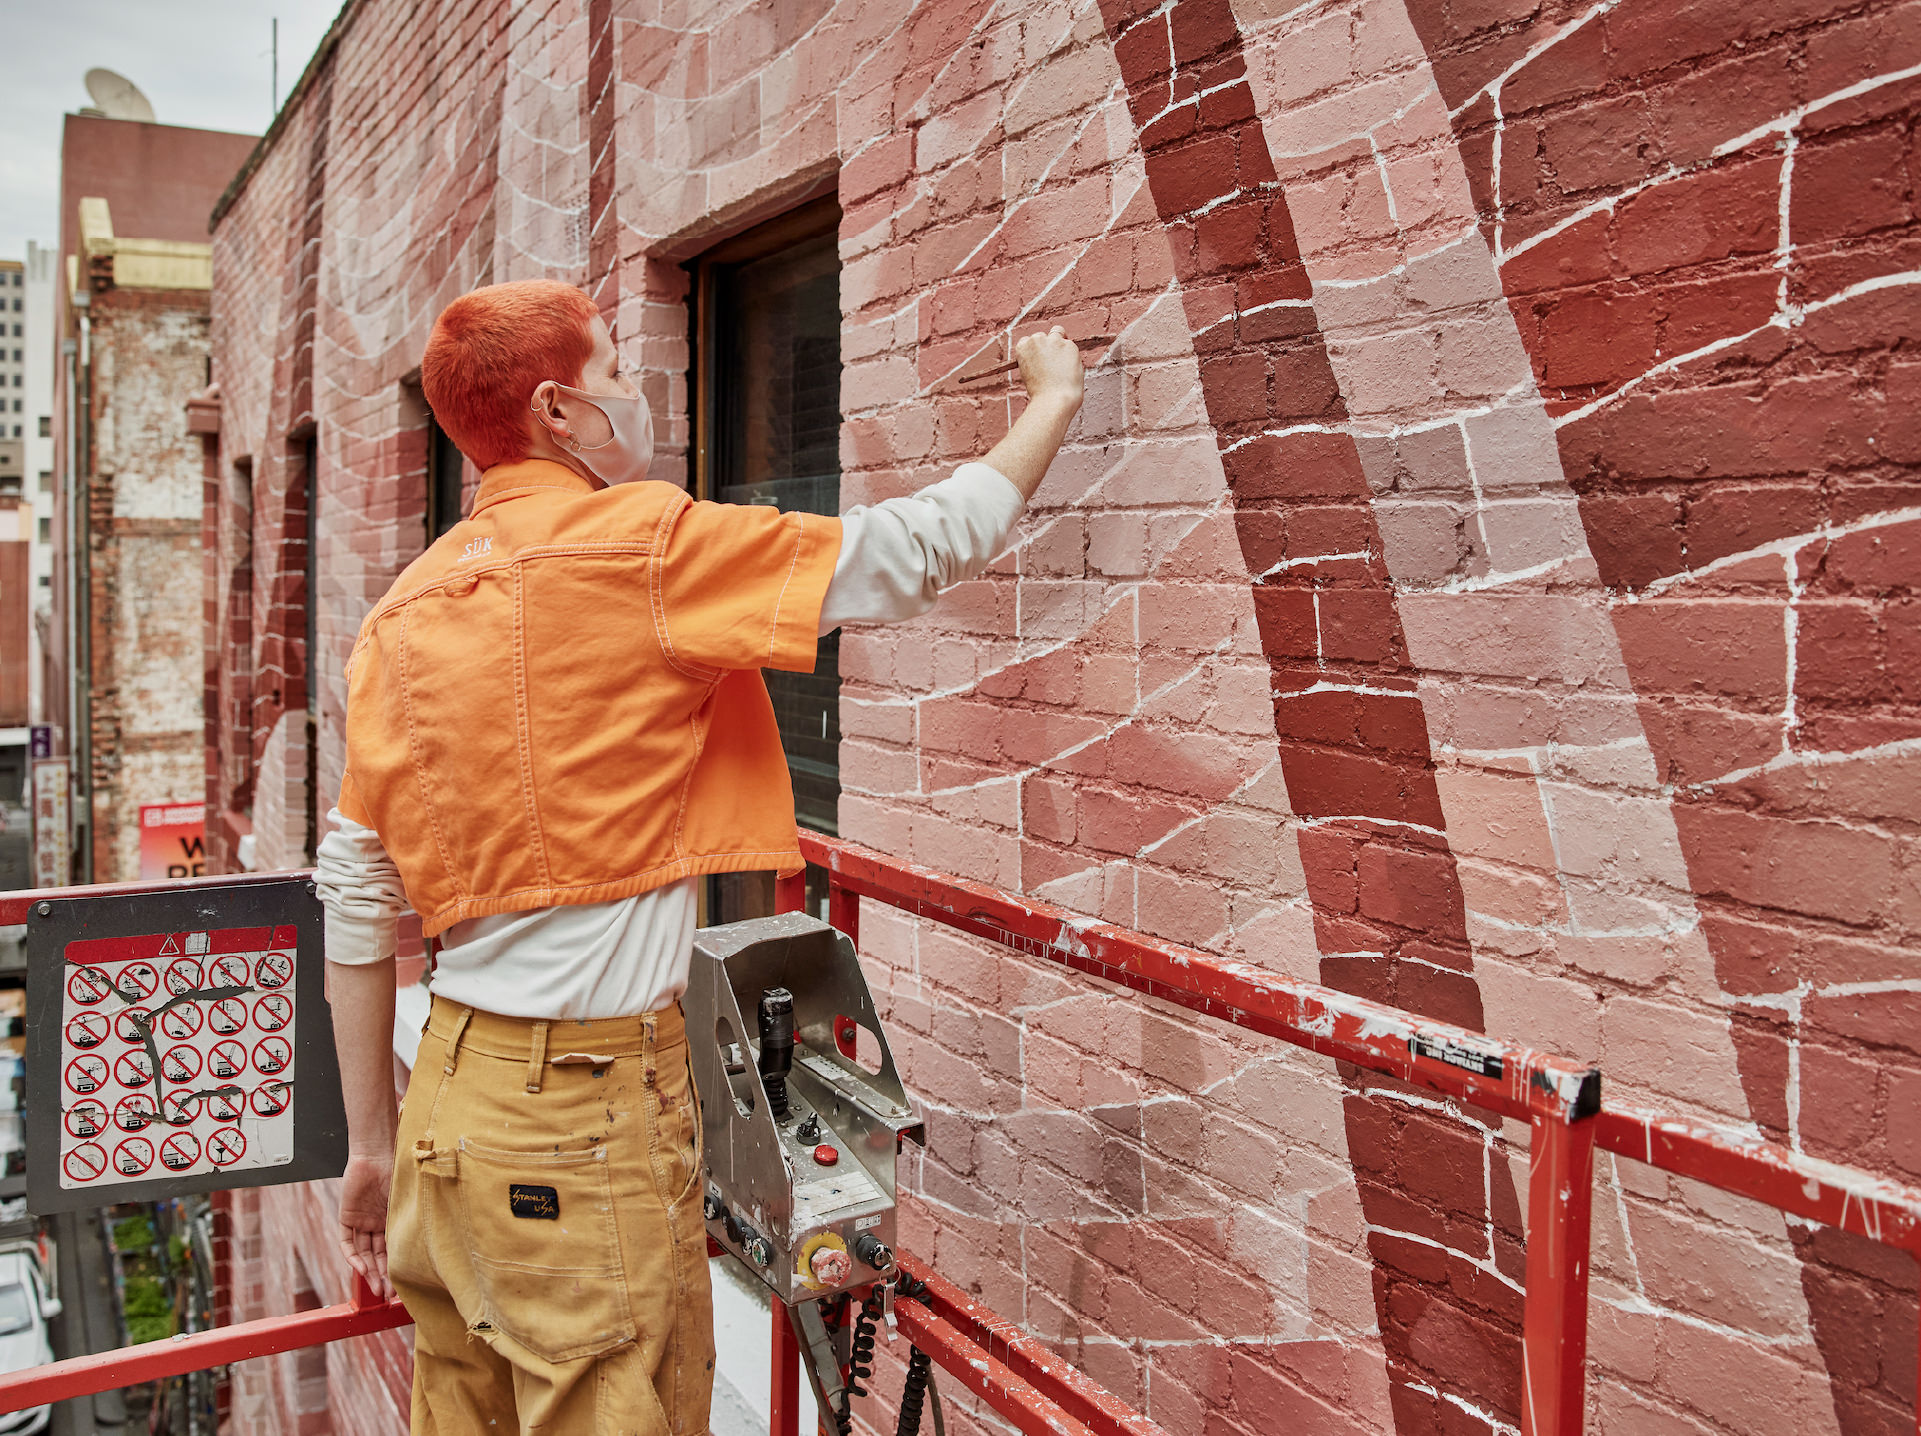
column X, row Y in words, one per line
column 897, row 556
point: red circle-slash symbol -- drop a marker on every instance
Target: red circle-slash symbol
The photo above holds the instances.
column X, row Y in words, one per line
column 177, row 1024
column 226, row 1104
column 273, row 1012
column 86, row 1119
column 133, row 1069
column 132, row 1024
column 137, row 981
column 183, row 975
column 133, row 1156
column 183, row 1107
column 88, row 985
column 275, row 970
column 84, row 1162
column 269, row 1099
column 135, row 1113
column 230, row 971
column 229, row 1015
column 271, row 1055
column 181, row 1064
column 228, row 1059
column 179, row 1151
column 226, row 1147
column 87, row 1073
column 89, row 1029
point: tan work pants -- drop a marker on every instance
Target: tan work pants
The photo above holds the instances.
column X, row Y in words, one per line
column 545, row 1230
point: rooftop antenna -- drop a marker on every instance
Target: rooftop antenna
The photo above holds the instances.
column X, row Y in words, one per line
column 117, row 97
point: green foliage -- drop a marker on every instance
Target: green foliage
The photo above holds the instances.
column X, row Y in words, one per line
column 149, row 1313
column 133, row 1234
column 177, row 1251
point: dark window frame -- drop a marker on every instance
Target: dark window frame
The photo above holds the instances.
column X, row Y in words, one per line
column 733, row 896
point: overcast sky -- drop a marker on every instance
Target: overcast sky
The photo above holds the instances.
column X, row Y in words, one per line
column 201, row 62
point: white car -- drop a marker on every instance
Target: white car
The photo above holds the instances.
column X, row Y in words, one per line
column 25, row 1309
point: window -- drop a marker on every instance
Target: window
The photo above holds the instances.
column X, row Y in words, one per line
column 444, row 476
column 46, row 426
column 16, row 356
column 766, row 408
column 46, row 481
column 46, row 529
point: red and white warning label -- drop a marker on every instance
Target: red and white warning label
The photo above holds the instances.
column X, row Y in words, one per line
column 185, row 1038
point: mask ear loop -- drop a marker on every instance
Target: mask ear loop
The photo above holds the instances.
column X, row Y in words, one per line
column 572, row 441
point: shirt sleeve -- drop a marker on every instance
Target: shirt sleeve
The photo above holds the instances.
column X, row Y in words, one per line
column 740, row 586
column 360, row 893
column 897, row 556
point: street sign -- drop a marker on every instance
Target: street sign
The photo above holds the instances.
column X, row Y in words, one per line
column 52, row 835
column 188, row 1036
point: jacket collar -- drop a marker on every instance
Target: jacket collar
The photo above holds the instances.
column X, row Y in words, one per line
column 526, row 475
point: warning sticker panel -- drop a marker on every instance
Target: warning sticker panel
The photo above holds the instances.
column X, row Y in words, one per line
column 181, row 1038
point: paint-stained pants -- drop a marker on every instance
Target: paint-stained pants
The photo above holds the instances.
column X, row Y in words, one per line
column 545, row 1230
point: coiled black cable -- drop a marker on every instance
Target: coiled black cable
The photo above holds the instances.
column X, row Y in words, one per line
column 860, row 1357
column 913, row 1395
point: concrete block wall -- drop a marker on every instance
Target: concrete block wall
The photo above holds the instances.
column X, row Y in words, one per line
column 1482, row 578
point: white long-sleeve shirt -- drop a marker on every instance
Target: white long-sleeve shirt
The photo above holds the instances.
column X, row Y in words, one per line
column 615, row 959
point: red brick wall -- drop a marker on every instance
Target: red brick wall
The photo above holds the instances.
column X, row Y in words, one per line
column 1482, row 577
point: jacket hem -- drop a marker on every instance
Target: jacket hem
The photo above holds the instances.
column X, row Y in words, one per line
column 781, row 860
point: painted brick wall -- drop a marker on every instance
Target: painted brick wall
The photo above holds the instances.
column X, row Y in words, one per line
column 1482, row 577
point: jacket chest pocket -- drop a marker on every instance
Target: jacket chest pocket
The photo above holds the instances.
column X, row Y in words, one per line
column 546, row 1252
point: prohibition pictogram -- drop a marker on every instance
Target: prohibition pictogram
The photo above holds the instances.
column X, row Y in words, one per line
column 133, row 1156
column 181, row 1064
column 275, row 970
column 226, row 1104
column 133, row 1069
column 84, row 1162
column 137, row 981
column 183, row 975
column 183, row 1107
column 132, row 1024
column 271, row 1055
column 227, row 1015
column 270, row 1099
column 135, row 1113
column 226, row 1147
column 88, row 985
column 228, row 1059
column 89, row 1029
column 87, row 1073
column 86, row 1118
column 273, row 1012
column 230, row 971
column 179, row 1151
column 177, row 1024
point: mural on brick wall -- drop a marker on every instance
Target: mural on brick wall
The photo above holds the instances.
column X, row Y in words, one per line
column 1482, row 578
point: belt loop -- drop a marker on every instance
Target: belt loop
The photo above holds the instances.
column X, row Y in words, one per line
column 536, row 1056
column 453, row 1038
column 649, row 1024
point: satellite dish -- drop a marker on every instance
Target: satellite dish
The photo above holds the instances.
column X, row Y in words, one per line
column 118, row 97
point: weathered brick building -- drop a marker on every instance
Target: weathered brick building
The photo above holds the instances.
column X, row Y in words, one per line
column 132, row 323
column 1482, row 577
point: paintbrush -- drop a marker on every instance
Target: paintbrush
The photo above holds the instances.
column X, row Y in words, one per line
column 1091, row 341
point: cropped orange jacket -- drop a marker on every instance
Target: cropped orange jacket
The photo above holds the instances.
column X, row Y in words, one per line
column 560, row 701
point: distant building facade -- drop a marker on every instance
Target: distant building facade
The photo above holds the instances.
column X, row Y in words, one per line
column 132, row 330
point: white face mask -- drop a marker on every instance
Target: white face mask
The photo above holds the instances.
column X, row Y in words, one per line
column 624, row 458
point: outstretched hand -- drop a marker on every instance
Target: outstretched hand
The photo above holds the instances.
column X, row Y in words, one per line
column 363, row 1220
column 1050, row 366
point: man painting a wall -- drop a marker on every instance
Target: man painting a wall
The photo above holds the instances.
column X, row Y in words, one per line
column 556, row 724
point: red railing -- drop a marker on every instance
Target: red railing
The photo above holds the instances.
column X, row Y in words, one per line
column 1017, row 1375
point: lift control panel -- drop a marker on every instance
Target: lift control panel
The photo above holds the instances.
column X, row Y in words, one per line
column 802, row 1111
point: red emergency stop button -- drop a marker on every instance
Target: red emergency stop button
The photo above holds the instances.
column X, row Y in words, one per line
column 826, row 1155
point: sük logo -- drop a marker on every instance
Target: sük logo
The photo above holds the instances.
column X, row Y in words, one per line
column 477, row 548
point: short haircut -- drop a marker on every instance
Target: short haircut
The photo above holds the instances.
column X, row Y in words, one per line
column 490, row 349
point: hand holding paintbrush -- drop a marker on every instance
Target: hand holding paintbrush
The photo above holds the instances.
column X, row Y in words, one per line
column 1091, row 341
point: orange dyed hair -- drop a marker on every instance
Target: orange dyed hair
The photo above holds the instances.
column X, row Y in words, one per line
column 490, row 349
